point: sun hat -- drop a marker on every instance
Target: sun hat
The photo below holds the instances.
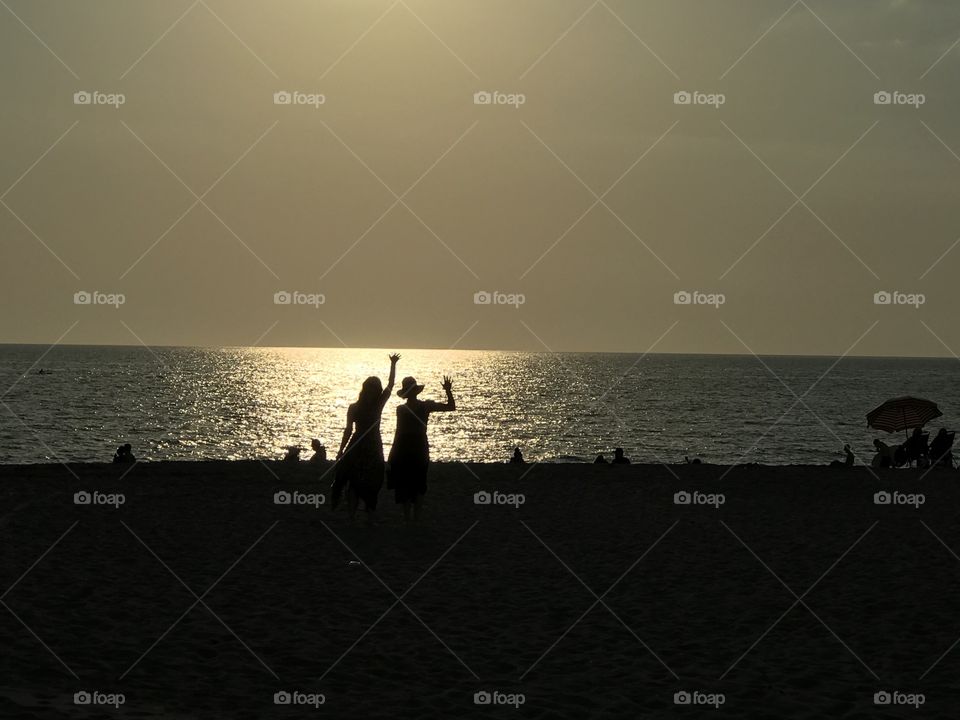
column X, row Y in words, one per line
column 408, row 387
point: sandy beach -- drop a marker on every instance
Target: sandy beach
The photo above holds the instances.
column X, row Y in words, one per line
column 578, row 591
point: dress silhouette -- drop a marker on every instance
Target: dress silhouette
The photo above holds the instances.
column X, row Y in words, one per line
column 360, row 459
column 410, row 454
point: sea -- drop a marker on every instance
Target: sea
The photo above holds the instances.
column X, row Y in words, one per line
column 78, row 403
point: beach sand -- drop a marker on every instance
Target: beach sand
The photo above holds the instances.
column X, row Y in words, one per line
column 199, row 597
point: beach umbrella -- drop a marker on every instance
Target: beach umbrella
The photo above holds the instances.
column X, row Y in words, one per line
column 903, row 413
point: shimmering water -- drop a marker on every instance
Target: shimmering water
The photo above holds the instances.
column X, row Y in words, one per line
column 198, row 403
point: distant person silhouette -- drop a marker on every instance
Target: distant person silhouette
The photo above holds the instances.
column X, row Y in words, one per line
column 695, row 461
column 885, row 455
column 360, row 458
column 600, row 460
column 916, row 448
column 619, row 458
column 847, row 461
column 293, row 454
column 319, row 451
column 410, row 454
column 124, row 454
column 941, row 449
column 517, row 458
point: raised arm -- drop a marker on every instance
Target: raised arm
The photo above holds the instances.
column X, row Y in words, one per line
column 394, row 359
column 347, row 432
column 450, row 404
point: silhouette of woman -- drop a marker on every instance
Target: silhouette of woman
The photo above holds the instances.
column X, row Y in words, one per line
column 410, row 454
column 360, row 458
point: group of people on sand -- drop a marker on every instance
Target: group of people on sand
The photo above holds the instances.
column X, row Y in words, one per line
column 618, row 458
column 319, row 452
column 917, row 451
column 361, row 470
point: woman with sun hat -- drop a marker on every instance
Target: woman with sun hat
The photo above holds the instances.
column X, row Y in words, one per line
column 410, row 454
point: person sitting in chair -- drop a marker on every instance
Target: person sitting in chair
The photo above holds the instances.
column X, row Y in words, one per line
column 941, row 449
column 917, row 449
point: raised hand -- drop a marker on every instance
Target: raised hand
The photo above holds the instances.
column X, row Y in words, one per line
column 447, row 383
column 394, row 359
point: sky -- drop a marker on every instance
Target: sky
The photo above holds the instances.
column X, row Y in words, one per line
column 580, row 209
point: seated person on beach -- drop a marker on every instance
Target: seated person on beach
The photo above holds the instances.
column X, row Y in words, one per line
column 695, row 461
column 293, row 454
column 885, row 455
column 124, row 454
column 517, row 458
column 319, row 451
column 847, row 461
column 941, row 449
column 619, row 458
column 916, row 448
column 600, row 460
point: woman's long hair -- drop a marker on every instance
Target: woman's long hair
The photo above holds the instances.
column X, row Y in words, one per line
column 370, row 393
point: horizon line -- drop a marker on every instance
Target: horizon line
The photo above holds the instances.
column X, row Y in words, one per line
column 466, row 349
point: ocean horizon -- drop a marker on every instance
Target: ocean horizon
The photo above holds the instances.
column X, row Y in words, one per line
column 192, row 403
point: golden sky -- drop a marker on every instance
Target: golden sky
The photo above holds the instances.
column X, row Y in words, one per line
column 787, row 189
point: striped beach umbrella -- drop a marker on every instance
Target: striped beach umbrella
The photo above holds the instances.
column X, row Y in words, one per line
column 903, row 413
